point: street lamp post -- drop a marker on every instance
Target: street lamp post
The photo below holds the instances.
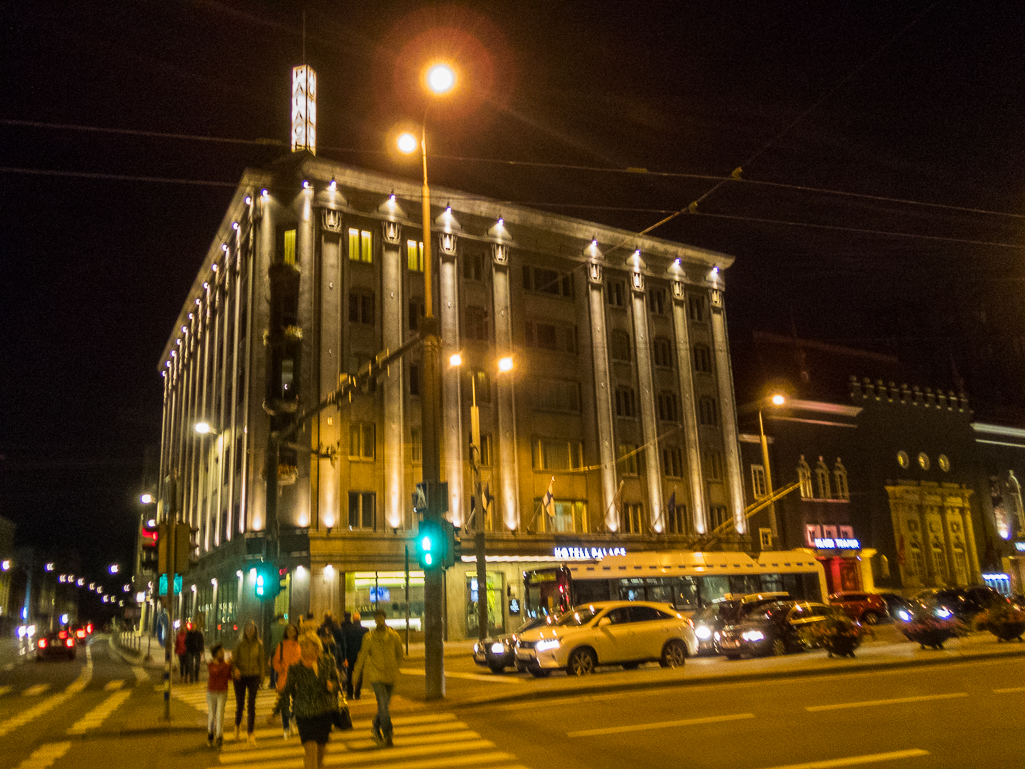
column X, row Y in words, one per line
column 440, row 79
column 776, row 400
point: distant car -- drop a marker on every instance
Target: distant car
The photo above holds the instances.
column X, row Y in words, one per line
column 81, row 632
column 963, row 602
column 772, row 630
column 895, row 603
column 711, row 619
column 867, row 608
column 499, row 652
column 625, row 633
column 57, row 643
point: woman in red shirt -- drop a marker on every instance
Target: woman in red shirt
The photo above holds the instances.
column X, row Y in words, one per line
column 284, row 656
column 218, row 675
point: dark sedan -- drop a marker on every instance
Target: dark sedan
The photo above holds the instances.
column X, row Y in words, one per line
column 499, row 652
column 57, row 643
column 963, row 602
column 772, row 630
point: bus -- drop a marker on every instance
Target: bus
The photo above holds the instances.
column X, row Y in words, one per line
column 688, row 580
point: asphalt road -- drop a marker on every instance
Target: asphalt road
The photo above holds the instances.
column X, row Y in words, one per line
column 955, row 715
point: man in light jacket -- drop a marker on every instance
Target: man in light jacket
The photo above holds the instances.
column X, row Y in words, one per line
column 378, row 664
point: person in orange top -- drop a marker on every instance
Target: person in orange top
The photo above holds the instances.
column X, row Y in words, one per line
column 219, row 672
column 286, row 654
column 179, row 649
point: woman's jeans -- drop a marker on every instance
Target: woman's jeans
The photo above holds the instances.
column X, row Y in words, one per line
column 382, row 720
column 245, row 695
column 215, row 702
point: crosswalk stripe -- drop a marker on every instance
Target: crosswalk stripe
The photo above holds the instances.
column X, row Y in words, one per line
column 113, row 686
column 45, row 755
column 35, row 691
column 468, row 752
column 100, row 713
column 339, row 744
column 416, row 724
column 4, row 690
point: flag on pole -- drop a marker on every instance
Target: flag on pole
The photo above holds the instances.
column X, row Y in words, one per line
column 612, row 516
column 548, row 501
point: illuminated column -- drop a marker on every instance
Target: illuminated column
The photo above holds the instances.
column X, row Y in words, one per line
column 646, row 396
column 391, row 319
column 453, row 439
column 223, row 306
column 508, row 463
column 602, row 387
column 204, row 457
column 688, row 403
column 304, row 109
column 727, row 406
column 233, row 285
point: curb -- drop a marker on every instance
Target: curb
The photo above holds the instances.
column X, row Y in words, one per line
column 626, row 686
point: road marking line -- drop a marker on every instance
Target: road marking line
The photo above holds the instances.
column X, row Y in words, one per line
column 35, row 691
column 113, row 686
column 1011, row 690
column 421, row 730
column 661, row 725
column 363, row 744
column 856, row 760
column 896, row 701
column 45, row 756
column 4, row 690
column 496, row 679
column 140, row 673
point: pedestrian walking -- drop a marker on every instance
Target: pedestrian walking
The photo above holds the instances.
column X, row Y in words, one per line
column 378, row 663
column 313, row 687
column 248, row 668
column 180, row 650
column 195, row 646
column 326, row 633
column 218, row 672
column 353, row 635
column 285, row 655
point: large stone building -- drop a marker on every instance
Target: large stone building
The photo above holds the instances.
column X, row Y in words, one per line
column 619, row 402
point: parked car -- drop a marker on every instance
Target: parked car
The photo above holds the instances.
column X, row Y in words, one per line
column 57, row 643
column 867, row 608
column 625, row 633
column 499, row 652
column 963, row 602
column 710, row 620
column 774, row 629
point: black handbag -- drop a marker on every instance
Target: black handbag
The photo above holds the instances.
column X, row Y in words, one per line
column 341, row 719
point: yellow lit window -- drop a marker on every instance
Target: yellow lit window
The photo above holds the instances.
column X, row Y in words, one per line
column 415, row 257
column 289, row 257
column 361, row 246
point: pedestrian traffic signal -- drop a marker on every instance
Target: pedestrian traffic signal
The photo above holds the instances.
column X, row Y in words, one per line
column 430, row 546
column 268, row 581
column 149, row 540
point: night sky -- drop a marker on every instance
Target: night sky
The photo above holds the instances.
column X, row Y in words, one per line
column 124, row 128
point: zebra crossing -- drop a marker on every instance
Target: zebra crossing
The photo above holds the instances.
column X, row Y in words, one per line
column 422, row 741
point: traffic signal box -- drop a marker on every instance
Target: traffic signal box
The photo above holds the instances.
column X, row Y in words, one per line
column 269, row 581
column 182, row 547
column 150, row 533
column 436, row 542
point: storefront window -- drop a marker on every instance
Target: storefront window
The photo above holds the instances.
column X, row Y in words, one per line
column 386, row 591
column 495, row 591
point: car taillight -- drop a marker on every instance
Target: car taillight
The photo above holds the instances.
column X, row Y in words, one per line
column 80, row 633
column 63, row 634
column 42, row 643
column 71, row 642
column 690, row 622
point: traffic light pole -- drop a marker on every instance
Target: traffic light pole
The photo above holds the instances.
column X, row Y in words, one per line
column 171, row 525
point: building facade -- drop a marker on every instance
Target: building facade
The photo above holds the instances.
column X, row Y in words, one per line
column 620, row 399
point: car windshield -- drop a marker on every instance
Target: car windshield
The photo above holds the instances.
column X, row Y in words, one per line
column 537, row 622
column 578, row 617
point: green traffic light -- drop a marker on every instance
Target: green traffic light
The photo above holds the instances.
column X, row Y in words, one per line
column 425, row 544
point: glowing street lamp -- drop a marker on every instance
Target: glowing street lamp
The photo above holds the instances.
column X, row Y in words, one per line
column 146, row 499
column 204, row 428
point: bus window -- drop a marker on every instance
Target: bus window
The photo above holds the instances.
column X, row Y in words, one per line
column 772, row 583
column 812, row 591
column 631, row 590
column 686, row 594
column 660, row 589
column 712, row 589
column 591, row 590
column 745, row 584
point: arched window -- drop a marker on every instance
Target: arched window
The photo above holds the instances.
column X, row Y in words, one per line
column 840, row 480
column 804, row 476
column 822, row 480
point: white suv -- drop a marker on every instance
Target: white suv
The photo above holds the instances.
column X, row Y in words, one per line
column 623, row 633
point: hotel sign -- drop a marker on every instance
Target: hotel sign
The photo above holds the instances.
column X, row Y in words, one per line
column 304, row 109
column 587, row 553
column 830, row 543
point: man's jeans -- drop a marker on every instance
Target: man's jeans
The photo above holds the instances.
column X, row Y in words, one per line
column 382, row 721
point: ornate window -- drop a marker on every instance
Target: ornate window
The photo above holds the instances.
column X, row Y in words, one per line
column 804, row 476
column 361, row 246
column 758, row 481
column 840, row 479
column 626, row 402
column 702, row 359
column 822, row 480
column 620, row 346
column 666, row 406
column 627, row 458
column 662, row 352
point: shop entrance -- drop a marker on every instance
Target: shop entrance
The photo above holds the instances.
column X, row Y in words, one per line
column 495, row 589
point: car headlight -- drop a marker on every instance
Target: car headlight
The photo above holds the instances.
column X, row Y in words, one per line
column 703, row 632
column 904, row 615
column 753, row 635
column 476, row 647
column 498, row 648
column 549, row 643
column 944, row 613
